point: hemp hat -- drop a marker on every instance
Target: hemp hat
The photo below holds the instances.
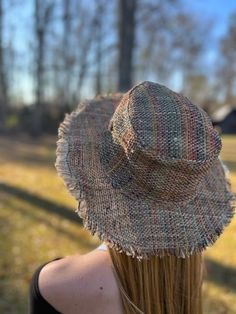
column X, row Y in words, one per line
column 145, row 169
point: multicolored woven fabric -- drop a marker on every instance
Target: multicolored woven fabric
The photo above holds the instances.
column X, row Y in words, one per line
column 146, row 171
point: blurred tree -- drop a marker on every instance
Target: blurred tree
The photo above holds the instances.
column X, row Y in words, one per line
column 126, row 27
column 199, row 89
column 42, row 16
column 99, row 23
column 66, row 51
column 86, row 35
column 189, row 42
column 226, row 69
column 3, row 78
column 154, row 38
column 169, row 41
column 81, row 50
column 61, row 57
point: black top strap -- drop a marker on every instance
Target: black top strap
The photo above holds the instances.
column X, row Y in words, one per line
column 37, row 303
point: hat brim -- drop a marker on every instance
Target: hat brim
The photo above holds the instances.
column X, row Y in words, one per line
column 137, row 226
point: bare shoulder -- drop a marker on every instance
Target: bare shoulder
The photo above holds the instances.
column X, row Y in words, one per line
column 80, row 281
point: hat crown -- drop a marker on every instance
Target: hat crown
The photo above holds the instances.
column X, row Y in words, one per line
column 164, row 125
column 169, row 144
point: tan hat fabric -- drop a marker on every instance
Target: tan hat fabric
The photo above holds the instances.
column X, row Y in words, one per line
column 146, row 171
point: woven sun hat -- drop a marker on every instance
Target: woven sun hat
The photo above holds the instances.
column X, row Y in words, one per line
column 145, row 169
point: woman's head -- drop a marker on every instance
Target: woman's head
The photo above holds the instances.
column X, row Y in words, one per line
column 146, row 171
column 146, row 168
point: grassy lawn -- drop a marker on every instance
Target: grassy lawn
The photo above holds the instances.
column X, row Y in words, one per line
column 38, row 223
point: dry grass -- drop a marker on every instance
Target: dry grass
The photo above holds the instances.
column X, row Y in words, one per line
column 37, row 223
column 220, row 288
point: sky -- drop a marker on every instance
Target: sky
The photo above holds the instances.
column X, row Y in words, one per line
column 19, row 12
column 218, row 10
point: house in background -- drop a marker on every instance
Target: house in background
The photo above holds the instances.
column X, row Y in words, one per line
column 224, row 119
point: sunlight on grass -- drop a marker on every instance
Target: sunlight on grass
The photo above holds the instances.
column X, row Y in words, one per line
column 38, row 223
column 219, row 289
column 37, row 219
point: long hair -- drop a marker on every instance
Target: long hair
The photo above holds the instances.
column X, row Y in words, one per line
column 162, row 285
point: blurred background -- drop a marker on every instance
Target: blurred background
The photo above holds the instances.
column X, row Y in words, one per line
column 53, row 54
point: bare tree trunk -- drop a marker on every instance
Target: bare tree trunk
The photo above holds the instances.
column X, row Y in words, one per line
column 3, row 79
column 127, row 9
column 99, row 39
column 98, row 61
column 83, row 62
column 42, row 17
column 66, row 51
column 226, row 70
column 39, row 56
column 85, row 48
